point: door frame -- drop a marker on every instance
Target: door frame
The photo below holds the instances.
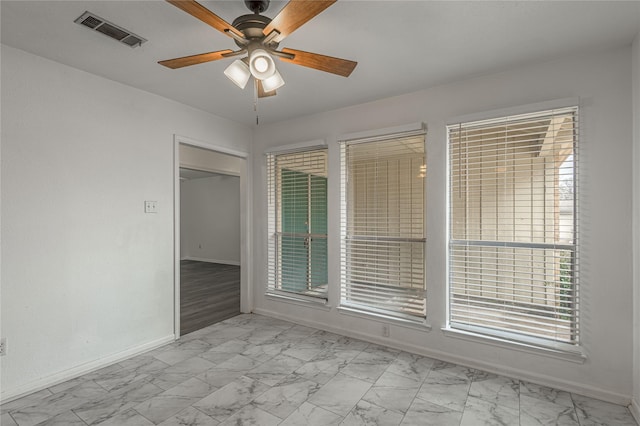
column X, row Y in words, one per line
column 246, row 293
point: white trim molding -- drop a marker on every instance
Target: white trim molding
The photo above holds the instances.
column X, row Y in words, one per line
column 635, row 409
column 246, row 291
column 384, row 133
column 495, row 368
column 563, row 352
column 299, row 299
column 222, row 262
column 176, row 235
column 62, row 376
column 308, row 145
column 212, row 147
column 415, row 323
column 516, row 110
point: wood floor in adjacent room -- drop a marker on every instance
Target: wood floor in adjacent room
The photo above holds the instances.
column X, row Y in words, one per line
column 209, row 293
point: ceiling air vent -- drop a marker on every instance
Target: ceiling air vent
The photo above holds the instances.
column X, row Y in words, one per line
column 95, row 22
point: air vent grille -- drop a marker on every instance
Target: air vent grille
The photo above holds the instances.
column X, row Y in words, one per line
column 105, row 27
column 133, row 40
column 91, row 22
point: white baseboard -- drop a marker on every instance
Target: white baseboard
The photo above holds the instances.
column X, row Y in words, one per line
column 8, row 395
column 635, row 408
column 202, row 259
column 540, row 379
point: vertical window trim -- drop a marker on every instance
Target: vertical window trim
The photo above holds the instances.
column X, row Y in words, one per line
column 562, row 350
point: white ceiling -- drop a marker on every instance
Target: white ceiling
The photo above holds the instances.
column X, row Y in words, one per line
column 400, row 46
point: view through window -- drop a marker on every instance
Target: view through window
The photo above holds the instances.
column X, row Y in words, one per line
column 383, row 232
column 297, row 188
column 512, row 203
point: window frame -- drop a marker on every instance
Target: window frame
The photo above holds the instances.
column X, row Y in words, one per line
column 557, row 349
column 359, row 310
column 273, row 256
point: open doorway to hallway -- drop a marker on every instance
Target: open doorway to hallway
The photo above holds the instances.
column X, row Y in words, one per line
column 209, row 237
column 209, row 248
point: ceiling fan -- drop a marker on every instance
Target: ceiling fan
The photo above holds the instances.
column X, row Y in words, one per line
column 259, row 36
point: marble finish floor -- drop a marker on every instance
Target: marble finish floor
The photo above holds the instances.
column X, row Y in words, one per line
column 256, row 370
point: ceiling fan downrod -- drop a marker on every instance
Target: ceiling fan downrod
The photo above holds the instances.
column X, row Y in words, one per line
column 257, row 6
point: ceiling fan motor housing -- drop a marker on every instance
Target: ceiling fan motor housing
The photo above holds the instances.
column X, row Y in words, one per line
column 251, row 26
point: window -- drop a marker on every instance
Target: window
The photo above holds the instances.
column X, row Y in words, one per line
column 297, row 222
column 383, row 235
column 512, row 227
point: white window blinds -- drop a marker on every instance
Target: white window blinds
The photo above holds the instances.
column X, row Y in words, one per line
column 383, row 235
column 513, row 225
column 297, row 223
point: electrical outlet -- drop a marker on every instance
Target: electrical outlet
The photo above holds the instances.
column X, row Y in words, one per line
column 385, row 330
column 3, row 346
column 151, row 207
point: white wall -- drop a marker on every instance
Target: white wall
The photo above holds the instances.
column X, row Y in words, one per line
column 87, row 276
column 210, row 219
column 603, row 83
column 635, row 409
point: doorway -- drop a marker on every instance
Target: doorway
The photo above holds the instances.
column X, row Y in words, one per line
column 210, row 227
column 209, row 248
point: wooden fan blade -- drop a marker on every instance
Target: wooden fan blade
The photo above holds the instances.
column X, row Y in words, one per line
column 295, row 14
column 330, row 64
column 197, row 10
column 185, row 61
column 261, row 91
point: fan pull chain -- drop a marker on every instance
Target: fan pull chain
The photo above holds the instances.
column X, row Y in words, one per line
column 255, row 100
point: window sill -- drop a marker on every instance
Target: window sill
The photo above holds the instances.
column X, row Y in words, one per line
column 310, row 302
column 416, row 324
column 572, row 354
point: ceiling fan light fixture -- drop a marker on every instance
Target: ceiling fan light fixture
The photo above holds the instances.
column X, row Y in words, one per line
column 239, row 73
column 259, row 37
column 261, row 64
column 273, row 83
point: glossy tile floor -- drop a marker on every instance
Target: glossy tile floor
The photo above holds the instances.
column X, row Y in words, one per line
column 255, row 370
